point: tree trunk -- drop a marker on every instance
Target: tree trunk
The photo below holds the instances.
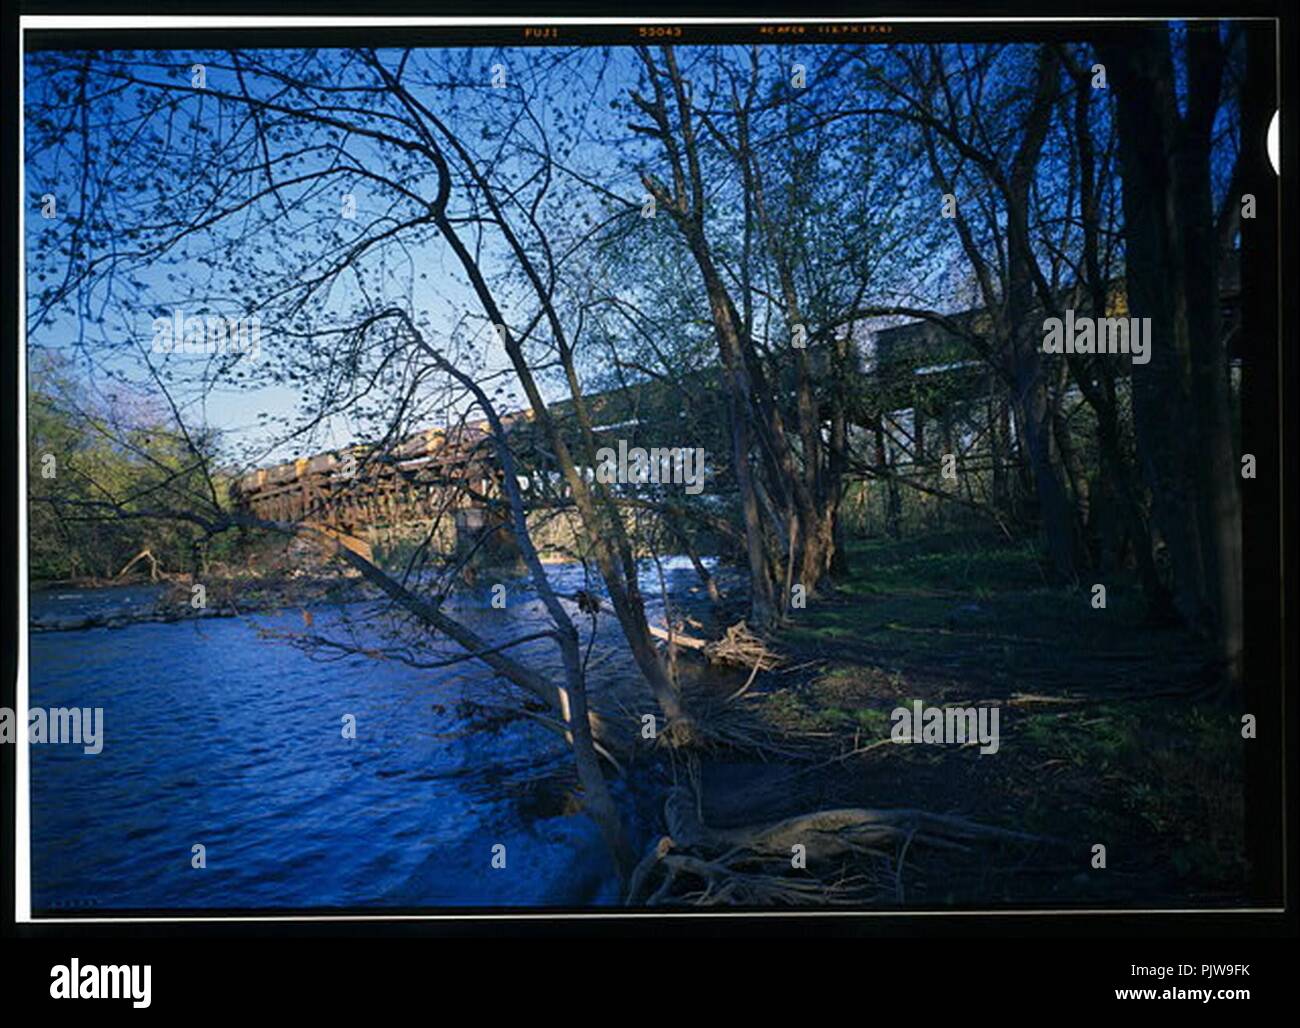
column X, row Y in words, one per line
column 1182, row 399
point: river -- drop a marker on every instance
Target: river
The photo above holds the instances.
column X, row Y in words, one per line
column 219, row 736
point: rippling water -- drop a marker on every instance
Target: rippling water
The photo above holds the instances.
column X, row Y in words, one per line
column 216, row 735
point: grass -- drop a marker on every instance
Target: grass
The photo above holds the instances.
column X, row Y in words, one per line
column 1118, row 754
column 982, row 610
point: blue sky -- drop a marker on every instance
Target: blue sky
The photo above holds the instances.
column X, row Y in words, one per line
column 213, row 270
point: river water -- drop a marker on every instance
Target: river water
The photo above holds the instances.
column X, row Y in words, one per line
column 217, row 735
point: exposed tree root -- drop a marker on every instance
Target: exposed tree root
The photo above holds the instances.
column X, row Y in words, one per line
column 713, row 883
column 735, row 722
column 851, row 855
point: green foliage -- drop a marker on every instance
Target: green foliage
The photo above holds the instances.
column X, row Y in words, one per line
column 100, row 490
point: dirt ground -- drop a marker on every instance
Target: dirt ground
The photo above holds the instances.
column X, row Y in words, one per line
column 1111, row 732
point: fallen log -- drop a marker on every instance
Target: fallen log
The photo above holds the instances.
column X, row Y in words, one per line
column 678, row 638
column 738, row 647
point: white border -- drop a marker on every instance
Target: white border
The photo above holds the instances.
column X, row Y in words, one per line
column 22, row 788
column 22, row 822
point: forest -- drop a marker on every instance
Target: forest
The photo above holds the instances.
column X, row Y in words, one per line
column 859, row 279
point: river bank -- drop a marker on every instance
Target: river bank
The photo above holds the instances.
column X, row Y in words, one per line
column 63, row 608
column 1104, row 740
column 1110, row 735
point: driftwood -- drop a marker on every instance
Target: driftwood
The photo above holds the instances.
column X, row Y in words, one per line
column 698, row 864
column 145, row 554
column 678, row 638
column 740, row 647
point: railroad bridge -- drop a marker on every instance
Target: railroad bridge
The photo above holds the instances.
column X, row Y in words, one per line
column 363, row 493
column 435, row 475
column 921, row 374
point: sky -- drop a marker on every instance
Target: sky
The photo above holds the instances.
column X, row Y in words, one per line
column 211, row 269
